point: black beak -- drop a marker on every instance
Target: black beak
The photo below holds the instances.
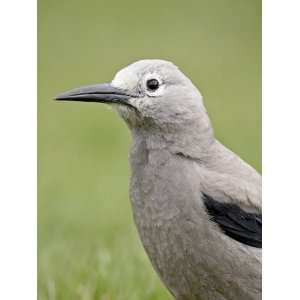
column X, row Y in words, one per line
column 103, row 93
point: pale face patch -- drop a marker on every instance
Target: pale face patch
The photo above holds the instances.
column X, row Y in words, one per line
column 126, row 79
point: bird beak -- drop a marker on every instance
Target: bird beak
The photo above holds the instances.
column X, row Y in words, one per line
column 103, row 93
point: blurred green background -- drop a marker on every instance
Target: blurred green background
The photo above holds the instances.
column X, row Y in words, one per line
column 88, row 247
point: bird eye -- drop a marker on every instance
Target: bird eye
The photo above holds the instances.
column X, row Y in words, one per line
column 152, row 84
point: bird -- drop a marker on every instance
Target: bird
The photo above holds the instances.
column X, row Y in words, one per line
column 196, row 204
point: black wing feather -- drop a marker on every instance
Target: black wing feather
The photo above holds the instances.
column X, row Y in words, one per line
column 240, row 225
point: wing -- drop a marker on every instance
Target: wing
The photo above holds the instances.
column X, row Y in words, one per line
column 238, row 224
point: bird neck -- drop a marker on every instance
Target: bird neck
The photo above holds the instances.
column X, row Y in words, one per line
column 191, row 140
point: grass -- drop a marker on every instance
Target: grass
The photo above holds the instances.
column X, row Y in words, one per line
column 88, row 247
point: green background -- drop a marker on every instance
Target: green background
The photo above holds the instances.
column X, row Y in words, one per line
column 88, row 247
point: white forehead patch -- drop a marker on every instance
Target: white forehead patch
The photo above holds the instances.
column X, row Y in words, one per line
column 126, row 79
column 129, row 77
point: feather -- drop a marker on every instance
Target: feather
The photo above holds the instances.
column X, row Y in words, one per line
column 238, row 224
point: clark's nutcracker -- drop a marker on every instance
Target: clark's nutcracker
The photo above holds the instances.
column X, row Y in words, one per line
column 196, row 204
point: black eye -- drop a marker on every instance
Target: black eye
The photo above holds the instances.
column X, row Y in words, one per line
column 152, row 84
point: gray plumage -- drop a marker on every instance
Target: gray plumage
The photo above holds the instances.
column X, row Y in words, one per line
column 196, row 204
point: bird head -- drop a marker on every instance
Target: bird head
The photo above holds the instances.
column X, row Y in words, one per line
column 150, row 95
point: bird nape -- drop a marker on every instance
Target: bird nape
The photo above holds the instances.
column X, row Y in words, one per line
column 202, row 247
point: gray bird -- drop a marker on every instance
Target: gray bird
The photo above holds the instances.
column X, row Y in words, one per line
column 196, row 204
